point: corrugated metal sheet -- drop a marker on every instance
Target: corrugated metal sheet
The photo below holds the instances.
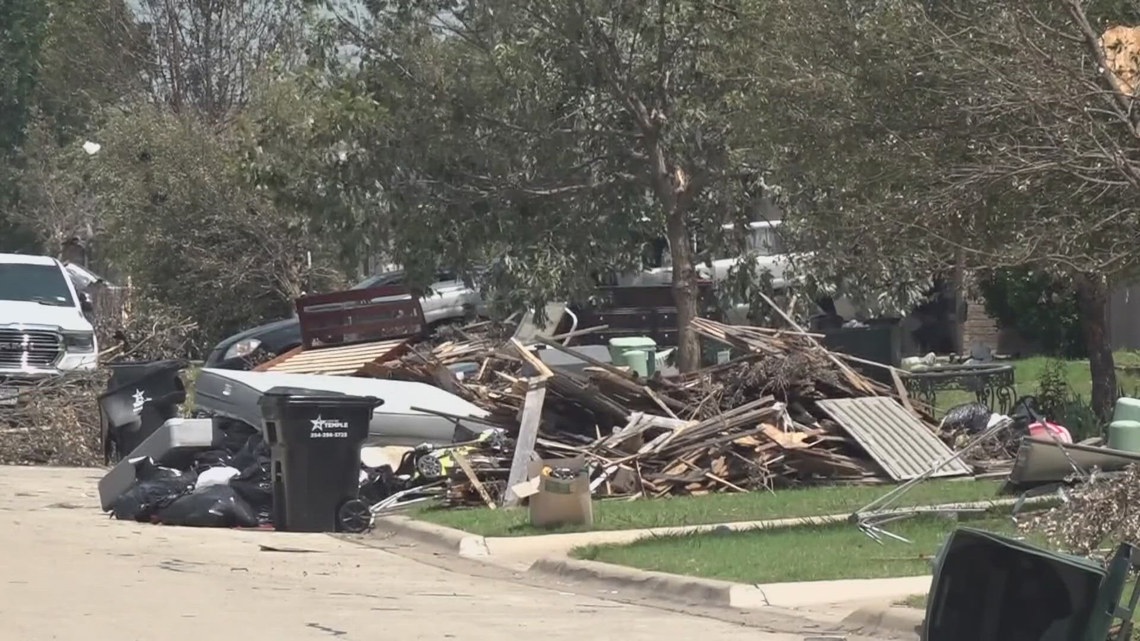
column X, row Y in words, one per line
column 343, row 360
column 901, row 444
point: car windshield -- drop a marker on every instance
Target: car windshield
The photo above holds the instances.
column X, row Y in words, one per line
column 766, row 242
column 43, row 284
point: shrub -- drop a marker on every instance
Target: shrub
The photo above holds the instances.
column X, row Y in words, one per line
column 1040, row 307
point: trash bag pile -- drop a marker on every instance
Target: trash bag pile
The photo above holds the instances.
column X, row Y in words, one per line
column 225, row 487
column 231, row 484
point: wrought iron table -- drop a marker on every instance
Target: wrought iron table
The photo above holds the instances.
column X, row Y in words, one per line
column 993, row 385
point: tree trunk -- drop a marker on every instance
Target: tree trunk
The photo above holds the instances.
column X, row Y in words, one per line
column 1092, row 301
column 686, row 295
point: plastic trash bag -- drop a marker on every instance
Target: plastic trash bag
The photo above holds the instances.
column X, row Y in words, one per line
column 211, row 458
column 255, row 486
column 215, row 476
column 254, row 449
column 146, row 469
column 233, row 435
column 155, row 488
column 214, row 506
column 969, row 417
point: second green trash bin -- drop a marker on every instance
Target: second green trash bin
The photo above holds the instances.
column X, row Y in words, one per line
column 314, row 442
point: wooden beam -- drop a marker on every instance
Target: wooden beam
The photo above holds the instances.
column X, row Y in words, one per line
column 544, row 372
column 465, row 465
column 528, row 434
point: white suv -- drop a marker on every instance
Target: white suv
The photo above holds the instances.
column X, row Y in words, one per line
column 43, row 328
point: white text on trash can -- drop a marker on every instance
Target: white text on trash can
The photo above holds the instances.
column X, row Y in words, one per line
column 328, row 428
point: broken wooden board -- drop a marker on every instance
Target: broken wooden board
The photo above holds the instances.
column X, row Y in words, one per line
column 342, row 360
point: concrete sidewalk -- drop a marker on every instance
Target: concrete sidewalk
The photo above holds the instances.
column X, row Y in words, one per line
column 861, row 603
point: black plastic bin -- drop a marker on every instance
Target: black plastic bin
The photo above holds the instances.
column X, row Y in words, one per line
column 140, row 397
column 880, row 342
column 314, row 443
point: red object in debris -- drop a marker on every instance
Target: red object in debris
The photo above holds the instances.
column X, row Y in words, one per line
column 1050, row 431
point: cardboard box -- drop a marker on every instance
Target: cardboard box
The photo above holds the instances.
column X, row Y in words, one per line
column 555, row 502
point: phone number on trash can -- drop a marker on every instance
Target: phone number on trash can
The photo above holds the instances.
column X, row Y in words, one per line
column 330, row 435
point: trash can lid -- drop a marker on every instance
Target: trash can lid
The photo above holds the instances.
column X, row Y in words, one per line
column 633, row 342
column 126, row 374
column 304, row 396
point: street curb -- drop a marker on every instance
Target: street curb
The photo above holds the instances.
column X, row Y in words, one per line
column 889, row 619
column 466, row 544
column 474, row 545
column 672, row 587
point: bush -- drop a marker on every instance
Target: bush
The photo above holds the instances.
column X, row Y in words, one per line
column 1061, row 405
column 1040, row 307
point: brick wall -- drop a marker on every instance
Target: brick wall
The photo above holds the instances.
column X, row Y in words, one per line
column 979, row 327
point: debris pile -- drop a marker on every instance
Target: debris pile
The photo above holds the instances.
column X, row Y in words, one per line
column 754, row 422
column 53, row 423
column 1095, row 514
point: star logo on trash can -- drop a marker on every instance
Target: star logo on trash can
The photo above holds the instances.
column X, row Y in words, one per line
column 328, row 428
column 140, row 399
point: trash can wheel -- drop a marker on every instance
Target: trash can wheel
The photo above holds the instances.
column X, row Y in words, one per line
column 354, row 516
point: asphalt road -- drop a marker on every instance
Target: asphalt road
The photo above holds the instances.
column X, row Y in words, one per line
column 69, row 573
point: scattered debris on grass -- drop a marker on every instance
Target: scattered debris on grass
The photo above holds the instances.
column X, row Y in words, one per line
column 1100, row 512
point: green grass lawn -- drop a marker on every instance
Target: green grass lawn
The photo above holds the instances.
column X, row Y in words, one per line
column 714, row 508
column 808, row 553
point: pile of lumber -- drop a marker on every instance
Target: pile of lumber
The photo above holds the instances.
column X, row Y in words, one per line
column 751, row 423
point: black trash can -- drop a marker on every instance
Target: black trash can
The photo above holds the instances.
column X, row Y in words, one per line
column 140, row 397
column 880, row 342
column 314, row 443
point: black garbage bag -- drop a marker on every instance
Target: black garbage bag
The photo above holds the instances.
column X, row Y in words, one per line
column 253, row 450
column 1026, row 412
column 255, row 486
column 155, row 488
column 213, row 506
column 211, row 458
column 969, row 417
column 233, row 435
column 147, row 469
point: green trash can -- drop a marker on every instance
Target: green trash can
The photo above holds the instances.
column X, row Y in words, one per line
column 1124, row 436
column 1127, row 409
column 638, row 361
column 644, row 363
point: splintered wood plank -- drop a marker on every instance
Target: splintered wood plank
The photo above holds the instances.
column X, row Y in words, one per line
column 465, row 465
column 524, row 444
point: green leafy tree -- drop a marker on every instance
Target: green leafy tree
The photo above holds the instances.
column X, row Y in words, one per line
column 22, row 29
column 21, row 37
column 1043, row 310
column 1052, row 180
column 986, row 135
column 92, row 60
column 551, row 139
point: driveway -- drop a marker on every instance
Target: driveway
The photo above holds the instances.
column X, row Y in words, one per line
column 69, row 573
